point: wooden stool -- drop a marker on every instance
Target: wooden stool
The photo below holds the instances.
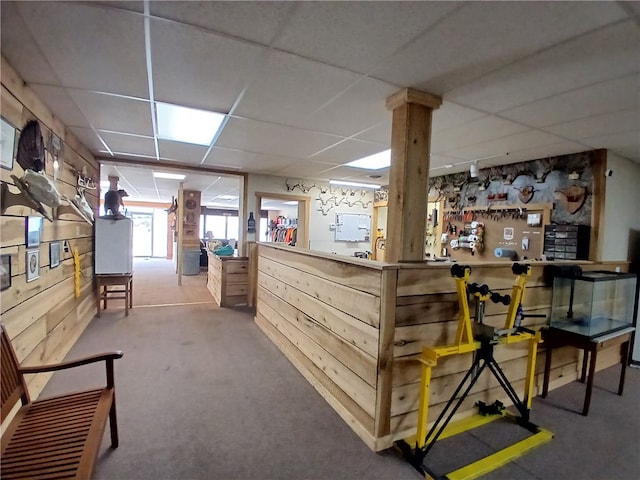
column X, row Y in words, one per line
column 103, row 283
column 555, row 338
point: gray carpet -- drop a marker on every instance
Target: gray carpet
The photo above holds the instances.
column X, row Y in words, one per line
column 203, row 394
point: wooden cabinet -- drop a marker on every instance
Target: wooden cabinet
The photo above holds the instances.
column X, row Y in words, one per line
column 228, row 280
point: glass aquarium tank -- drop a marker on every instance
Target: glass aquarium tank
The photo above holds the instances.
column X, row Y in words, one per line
column 593, row 303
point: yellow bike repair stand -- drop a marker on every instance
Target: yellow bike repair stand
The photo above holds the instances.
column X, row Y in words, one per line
column 481, row 339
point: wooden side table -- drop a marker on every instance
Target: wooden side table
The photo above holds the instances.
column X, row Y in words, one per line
column 556, row 338
column 104, row 281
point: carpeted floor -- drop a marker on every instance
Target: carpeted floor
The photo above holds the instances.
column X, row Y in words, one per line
column 203, row 394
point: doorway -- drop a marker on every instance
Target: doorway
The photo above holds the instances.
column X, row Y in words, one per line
column 142, row 234
column 301, row 206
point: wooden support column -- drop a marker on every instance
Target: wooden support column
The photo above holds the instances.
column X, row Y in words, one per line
column 409, row 173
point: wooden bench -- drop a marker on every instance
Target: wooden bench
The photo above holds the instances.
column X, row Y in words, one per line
column 56, row 437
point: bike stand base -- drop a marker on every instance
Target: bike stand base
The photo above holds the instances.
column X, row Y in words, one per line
column 484, row 465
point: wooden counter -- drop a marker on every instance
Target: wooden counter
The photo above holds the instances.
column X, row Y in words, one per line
column 228, row 280
column 354, row 327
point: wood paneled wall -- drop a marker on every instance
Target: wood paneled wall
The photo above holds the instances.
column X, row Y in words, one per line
column 43, row 317
column 324, row 315
column 355, row 329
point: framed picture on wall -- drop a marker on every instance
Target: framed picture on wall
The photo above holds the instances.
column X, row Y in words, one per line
column 33, row 265
column 33, row 231
column 7, row 142
column 5, row 272
column 54, row 254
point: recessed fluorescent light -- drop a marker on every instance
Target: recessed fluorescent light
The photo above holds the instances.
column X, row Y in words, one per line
column 293, row 202
column 354, row 184
column 373, row 162
column 227, row 197
column 170, row 176
column 188, row 125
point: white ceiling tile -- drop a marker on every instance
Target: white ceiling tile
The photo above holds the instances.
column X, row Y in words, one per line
column 270, row 139
column 181, row 152
column 633, row 6
column 598, row 125
column 20, row 50
column 88, row 138
column 306, row 170
column 451, row 115
column 132, row 144
column 256, row 21
column 351, row 173
column 625, row 144
column 132, row 5
column 357, row 35
column 608, row 96
column 481, row 37
column 474, row 132
column 347, row 151
column 361, row 107
column 247, row 161
column 545, row 151
column 379, row 134
column 290, row 89
column 198, row 69
column 59, row 101
column 118, row 114
column 607, row 53
column 504, row 145
column 82, row 48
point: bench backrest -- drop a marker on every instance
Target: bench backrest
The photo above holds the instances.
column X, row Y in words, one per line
column 13, row 387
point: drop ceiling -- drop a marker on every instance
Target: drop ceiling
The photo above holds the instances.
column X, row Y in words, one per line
column 303, row 84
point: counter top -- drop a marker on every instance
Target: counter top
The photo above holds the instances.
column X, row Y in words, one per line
column 376, row 265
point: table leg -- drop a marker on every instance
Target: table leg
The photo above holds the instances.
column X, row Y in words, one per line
column 99, row 296
column 625, row 359
column 104, row 296
column 131, row 292
column 585, row 359
column 592, row 373
column 547, row 371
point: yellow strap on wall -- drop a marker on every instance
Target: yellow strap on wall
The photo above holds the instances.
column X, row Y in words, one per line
column 76, row 264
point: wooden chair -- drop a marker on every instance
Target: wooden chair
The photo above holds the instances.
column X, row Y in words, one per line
column 56, row 437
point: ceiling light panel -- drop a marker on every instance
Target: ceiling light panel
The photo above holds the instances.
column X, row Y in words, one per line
column 347, row 151
column 373, row 162
column 187, row 125
column 354, row 184
column 169, row 175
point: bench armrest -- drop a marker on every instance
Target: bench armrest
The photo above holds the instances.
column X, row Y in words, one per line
column 109, row 357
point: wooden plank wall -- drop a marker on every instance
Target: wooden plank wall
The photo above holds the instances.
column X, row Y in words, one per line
column 324, row 316
column 427, row 313
column 43, row 317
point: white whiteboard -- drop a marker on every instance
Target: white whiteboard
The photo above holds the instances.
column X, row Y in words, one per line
column 352, row 227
